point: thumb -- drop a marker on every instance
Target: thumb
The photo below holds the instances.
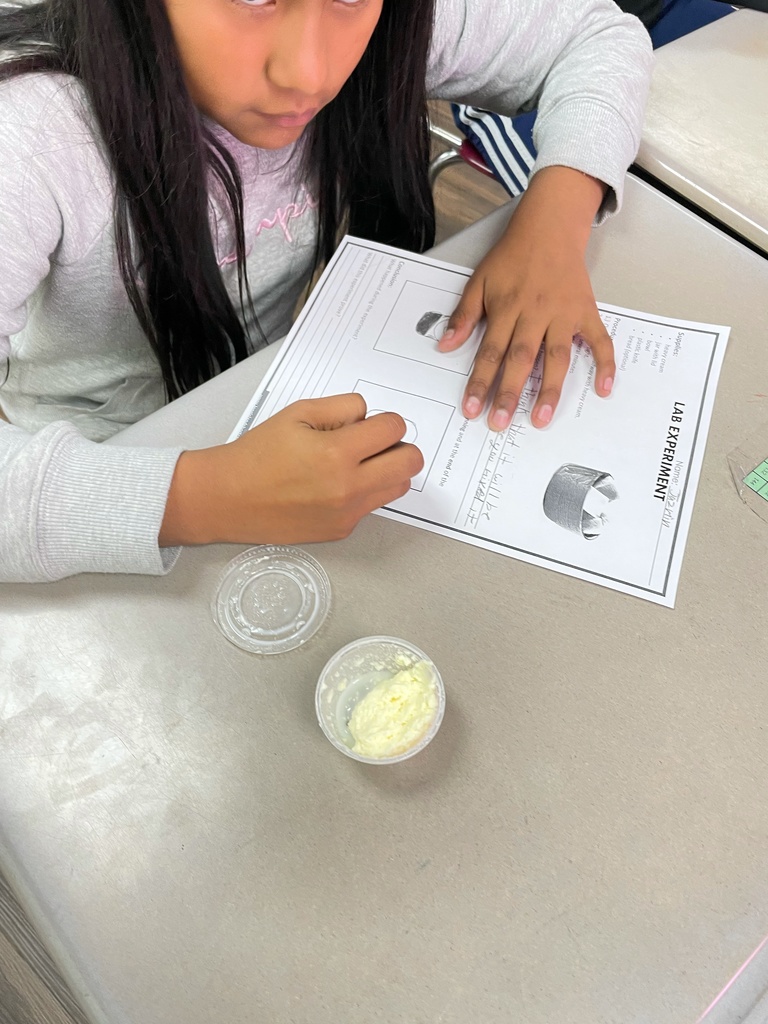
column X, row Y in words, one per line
column 328, row 413
column 464, row 318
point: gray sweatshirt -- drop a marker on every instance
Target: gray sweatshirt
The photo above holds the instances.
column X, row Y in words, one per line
column 79, row 368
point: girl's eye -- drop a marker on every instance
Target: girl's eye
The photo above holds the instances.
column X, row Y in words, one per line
column 271, row 3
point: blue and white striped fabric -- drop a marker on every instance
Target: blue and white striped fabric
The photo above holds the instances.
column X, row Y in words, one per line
column 506, row 143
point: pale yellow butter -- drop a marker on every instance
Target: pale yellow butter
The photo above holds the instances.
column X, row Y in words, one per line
column 396, row 713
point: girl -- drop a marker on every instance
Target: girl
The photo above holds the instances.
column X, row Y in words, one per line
column 171, row 171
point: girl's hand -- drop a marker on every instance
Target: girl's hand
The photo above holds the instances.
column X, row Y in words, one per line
column 534, row 290
column 309, row 473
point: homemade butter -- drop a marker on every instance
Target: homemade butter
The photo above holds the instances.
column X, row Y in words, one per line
column 396, row 713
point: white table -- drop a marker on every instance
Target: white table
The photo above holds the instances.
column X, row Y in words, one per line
column 583, row 843
column 706, row 127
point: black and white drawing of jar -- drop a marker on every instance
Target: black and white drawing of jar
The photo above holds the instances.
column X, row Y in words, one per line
column 432, row 325
column 577, row 498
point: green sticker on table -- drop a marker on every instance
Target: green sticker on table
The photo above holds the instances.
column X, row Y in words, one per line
column 757, row 480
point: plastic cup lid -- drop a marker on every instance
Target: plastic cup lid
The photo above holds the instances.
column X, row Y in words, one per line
column 272, row 599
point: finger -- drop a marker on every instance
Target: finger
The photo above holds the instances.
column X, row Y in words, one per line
column 387, row 497
column 488, row 359
column 465, row 317
column 558, row 346
column 373, row 435
column 518, row 363
column 373, row 501
column 329, row 413
column 599, row 341
column 392, row 468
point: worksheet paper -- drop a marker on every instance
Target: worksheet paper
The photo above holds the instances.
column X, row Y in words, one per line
column 604, row 494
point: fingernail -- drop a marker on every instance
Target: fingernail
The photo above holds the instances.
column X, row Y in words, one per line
column 544, row 414
column 472, row 407
column 500, row 419
column 446, row 338
column 608, row 384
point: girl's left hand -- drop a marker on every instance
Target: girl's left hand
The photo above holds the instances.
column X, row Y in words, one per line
column 533, row 289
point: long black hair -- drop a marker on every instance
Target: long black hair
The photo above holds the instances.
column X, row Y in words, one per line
column 366, row 158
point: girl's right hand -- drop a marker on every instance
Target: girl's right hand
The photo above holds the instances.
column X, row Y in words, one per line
column 309, row 473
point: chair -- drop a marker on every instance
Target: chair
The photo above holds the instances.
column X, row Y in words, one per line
column 460, row 151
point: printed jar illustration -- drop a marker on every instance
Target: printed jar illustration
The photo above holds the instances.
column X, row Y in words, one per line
column 432, row 325
column 577, row 498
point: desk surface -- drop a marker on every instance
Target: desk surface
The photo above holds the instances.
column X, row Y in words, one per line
column 584, row 842
column 706, row 126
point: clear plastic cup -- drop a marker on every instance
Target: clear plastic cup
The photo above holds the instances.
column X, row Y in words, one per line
column 352, row 673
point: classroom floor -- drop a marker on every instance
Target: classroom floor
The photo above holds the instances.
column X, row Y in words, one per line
column 31, row 990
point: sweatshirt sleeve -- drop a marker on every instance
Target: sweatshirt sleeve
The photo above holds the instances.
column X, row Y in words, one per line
column 584, row 64
column 67, row 505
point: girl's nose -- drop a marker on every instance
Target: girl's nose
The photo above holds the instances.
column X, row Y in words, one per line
column 298, row 59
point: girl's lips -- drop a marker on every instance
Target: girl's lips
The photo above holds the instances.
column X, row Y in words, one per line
column 290, row 120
